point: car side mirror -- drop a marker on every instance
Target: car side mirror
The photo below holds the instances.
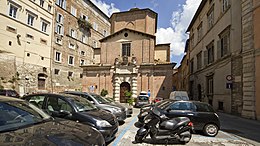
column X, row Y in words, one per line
column 168, row 110
column 64, row 113
column 92, row 102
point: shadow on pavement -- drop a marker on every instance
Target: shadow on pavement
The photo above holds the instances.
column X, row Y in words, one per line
column 121, row 122
column 242, row 127
column 160, row 141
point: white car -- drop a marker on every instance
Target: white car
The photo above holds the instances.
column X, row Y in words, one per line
column 179, row 95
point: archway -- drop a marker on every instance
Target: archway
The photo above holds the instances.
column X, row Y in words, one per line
column 123, row 88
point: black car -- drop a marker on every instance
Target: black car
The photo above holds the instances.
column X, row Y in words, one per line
column 77, row 109
column 201, row 114
column 22, row 123
column 118, row 110
column 9, row 93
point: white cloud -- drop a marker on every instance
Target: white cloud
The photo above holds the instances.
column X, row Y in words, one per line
column 108, row 9
column 154, row 3
column 176, row 33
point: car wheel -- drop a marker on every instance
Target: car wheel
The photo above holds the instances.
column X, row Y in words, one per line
column 210, row 130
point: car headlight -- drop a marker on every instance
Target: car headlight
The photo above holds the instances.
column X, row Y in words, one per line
column 103, row 123
column 144, row 114
column 116, row 110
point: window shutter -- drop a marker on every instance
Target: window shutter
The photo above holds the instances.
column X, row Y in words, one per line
column 64, row 5
column 218, row 49
column 62, row 18
column 228, row 44
column 62, row 30
column 205, row 57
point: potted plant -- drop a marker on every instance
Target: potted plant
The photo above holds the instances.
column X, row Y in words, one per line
column 84, row 24
column 103, row 92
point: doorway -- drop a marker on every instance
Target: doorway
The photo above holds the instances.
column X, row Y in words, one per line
column 41, row 81
column 123, row 88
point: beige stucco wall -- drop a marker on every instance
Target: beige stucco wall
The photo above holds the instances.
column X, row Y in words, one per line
column 142, row 47
column 33, row 56
column 27, row 45
column 221, row 67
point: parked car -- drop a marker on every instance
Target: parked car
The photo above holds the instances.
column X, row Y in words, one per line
column 179, row 95
column 142, row 100
column 102, row 103
column 158, row 99
column 77, row 109
column 129, row 109
column 202, row 115
column 9, row 92
column 22, row 123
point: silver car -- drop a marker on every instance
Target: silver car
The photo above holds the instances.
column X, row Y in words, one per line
column 129, row 109
column 102, row 103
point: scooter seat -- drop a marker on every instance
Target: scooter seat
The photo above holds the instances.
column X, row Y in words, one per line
column 174, row 123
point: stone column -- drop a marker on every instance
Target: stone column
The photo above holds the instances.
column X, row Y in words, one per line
column 117, row 89
column 134, row 87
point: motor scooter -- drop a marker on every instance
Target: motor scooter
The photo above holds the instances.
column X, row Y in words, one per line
column 159, row 126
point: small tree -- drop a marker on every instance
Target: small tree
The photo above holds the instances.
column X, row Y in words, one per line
column 130, row 100
column 103, row 92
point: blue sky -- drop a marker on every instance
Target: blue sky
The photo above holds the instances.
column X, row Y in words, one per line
column 174, row 17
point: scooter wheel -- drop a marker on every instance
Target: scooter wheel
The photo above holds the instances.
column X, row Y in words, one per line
column 138, row 139
column 185, row 140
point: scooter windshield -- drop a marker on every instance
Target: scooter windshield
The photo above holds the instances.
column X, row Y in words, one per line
column 156, row 111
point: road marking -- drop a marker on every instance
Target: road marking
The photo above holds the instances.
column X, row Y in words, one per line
column 117, row 140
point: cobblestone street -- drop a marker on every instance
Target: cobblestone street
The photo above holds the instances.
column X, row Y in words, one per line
column 127, row 131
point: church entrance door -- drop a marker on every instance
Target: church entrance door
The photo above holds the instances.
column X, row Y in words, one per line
column 123, row 88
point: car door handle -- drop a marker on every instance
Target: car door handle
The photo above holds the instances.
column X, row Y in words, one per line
column 190, row 114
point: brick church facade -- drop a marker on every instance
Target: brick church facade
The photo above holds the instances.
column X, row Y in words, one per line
column 129, row 58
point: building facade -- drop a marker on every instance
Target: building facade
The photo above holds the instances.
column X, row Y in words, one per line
column 215, row 55
column 78, row 27
column 129, row 59
column 25, row 32
column 251, row 58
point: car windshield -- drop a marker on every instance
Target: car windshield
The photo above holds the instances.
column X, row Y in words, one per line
column 99, row 99
column 163, row 104
column 143, row 98
column 110, row 100
column 82, row 104
column 18, row 114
